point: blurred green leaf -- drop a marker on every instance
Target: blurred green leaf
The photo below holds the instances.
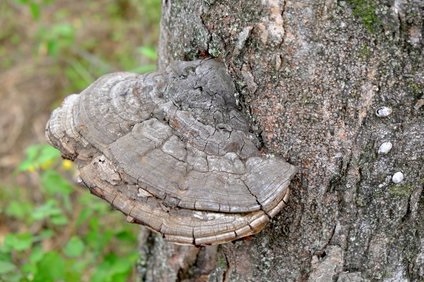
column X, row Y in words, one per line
column 49, row 210
column 114, row 268
column 52, row 47
column 98, row 240
column 18, row 242
column 148, row 52
column 126, row 235
column 21, row 1
column 6, row 266
column 51, row 267
column 44, row 234
column 54, row 183
column 75, row 247
column 19, row 209
column 76, row 268
column 35, row 10
column 59, row 219
column 39, row 155
column 12, row 277
column 74, row 275
column 57, row 37
column 36, row 255
column 83, row 216
column 34, row 6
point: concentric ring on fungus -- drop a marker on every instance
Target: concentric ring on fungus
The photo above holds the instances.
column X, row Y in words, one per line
column 172, row 151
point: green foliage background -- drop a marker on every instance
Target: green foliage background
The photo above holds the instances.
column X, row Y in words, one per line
column 53, row 230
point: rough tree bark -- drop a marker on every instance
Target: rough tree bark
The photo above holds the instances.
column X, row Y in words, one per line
column 311, row 75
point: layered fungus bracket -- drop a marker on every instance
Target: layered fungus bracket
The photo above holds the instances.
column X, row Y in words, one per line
column 172, row 151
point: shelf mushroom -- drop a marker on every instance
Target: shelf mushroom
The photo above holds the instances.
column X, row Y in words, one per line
column 172, row 151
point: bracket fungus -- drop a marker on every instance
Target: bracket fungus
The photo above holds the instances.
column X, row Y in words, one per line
column 172, row 151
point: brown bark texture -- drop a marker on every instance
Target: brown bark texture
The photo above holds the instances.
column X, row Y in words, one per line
column 313, row 76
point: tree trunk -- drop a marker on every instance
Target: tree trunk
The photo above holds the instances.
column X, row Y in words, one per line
column 313, row 76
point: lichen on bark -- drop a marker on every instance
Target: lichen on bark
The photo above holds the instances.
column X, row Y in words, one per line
column 311, row 76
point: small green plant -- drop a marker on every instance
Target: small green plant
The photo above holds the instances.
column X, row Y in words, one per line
column 66, row 235
column 366, row 11
column 34, row 6
column 57, row 38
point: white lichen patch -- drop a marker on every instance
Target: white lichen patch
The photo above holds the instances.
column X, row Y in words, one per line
column 385, row 148
column 397, row 177
column 383, row 112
